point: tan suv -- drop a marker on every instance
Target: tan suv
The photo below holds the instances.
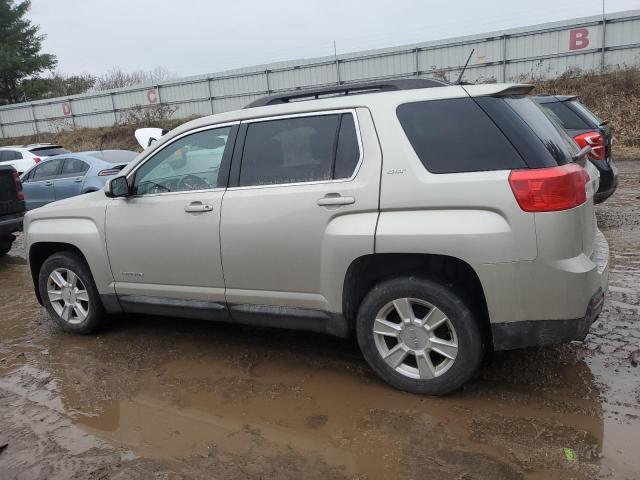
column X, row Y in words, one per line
column 434, row 221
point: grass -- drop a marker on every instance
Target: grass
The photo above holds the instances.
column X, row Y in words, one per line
column 614, row 96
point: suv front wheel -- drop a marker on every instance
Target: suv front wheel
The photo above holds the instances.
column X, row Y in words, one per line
column 419, row 336
column 69, row 293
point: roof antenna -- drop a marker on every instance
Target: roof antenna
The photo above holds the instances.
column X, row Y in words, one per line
column 457, row 82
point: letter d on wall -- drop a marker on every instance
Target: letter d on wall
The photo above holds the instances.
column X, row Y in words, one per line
column 578, row 38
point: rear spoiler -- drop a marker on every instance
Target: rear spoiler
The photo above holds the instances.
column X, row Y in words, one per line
column 521, row 89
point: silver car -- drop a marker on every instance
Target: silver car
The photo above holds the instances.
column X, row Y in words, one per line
column 71, row 174
column 432, row 221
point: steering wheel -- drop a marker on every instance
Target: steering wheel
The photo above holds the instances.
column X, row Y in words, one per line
column 192, row 182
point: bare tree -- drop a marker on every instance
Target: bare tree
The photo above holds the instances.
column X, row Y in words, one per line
column 117, row 78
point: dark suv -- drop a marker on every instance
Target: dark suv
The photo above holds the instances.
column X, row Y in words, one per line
column 11, row 207
column 587, row 130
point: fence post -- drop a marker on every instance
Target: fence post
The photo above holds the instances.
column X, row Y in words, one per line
column 504, row 58
column 113, row 109
column 210, row 94
column 73, row 120
column 604, row 30
column 35, row 122
column 417, row 61
column 266, row 73
column 1, row 130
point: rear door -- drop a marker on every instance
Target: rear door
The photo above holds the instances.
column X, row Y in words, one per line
column 38, row 190
column 71, row 178
column 300, row 209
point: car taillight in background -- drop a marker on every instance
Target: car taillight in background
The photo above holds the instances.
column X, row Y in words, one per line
column 110, row 171
column 18, row 184
column 595, row 140
column 549, row 189
column 37, row 159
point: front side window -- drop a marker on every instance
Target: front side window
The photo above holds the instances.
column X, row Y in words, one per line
column 190, row 163
column 46, row 170
column 302, row 149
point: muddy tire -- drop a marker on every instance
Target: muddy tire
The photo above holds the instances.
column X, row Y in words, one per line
column 5, row 244
column 419, row 336
column 69, row 293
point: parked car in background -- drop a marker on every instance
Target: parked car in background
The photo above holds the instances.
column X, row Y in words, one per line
column 72, row 174
column 23, row 157
column 11, row 207
column 587, row 130
column 356, row 209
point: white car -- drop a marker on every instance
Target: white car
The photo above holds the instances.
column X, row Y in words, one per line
column 23, row 157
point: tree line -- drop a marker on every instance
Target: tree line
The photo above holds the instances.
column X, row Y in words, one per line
column 27, row 74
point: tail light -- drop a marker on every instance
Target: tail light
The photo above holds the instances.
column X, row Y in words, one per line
column 18, row 184
column 37, row 159
column 596, row 141
column 110, row 171
column 549, row 189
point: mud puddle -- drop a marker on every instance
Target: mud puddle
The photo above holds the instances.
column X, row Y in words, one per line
column 168, row 398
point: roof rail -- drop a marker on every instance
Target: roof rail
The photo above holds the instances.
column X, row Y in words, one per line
column 348, row 89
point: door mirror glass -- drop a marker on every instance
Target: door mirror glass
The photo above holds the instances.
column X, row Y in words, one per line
column 118, row 187
column 148, row 136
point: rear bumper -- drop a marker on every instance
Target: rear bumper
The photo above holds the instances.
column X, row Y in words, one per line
column 10, row 224
column 608, row 182
column 532, row 333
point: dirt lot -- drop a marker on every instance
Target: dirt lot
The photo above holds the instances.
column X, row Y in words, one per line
column 175, row 399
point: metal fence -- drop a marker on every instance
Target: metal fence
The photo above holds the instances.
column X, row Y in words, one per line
column 540, row 51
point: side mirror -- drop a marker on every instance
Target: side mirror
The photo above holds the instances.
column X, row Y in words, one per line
column 117, row 187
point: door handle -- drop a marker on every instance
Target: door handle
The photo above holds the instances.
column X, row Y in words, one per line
column 335, row 199
column 194, row 207
column 78, row 179
column 48, row 183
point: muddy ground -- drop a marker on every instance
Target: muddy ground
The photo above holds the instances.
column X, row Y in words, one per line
column 176, row 399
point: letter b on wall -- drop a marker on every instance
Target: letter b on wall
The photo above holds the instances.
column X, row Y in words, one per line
column 578, row 38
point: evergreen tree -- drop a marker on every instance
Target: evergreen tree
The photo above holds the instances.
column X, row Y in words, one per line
column 20, row 56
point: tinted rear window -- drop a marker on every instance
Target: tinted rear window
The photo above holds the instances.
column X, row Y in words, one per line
column 455, row 135
column 586, row 113
column 49, row 151
column 566, row 117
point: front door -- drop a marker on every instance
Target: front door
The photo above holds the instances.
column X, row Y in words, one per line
column 163, row 241
column 69, row 182
column 39, row 190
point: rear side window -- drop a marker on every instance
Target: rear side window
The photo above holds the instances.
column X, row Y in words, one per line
column 455, row 135
column 586, row 113
column 73, row 167
column 302, row 149
column 7, row 155
column 567, row 117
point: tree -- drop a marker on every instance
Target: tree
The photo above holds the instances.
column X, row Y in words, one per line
column 20, row 45
column 58, row 85
column 117, row 78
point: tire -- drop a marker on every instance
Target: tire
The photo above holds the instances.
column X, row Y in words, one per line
column 5, row 244
column 87, row 314
column 428, row 362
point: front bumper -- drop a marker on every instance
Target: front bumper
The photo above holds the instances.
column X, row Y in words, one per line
column 533, row 333
column 11, row 223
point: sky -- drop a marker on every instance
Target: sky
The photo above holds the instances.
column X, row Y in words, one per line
column 191, row 37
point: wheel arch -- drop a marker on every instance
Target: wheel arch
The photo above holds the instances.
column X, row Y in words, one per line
column 38, row 254
column 368, row 270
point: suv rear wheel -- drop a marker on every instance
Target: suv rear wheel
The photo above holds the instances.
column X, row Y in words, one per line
column 69, row 293
column 419, row 336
